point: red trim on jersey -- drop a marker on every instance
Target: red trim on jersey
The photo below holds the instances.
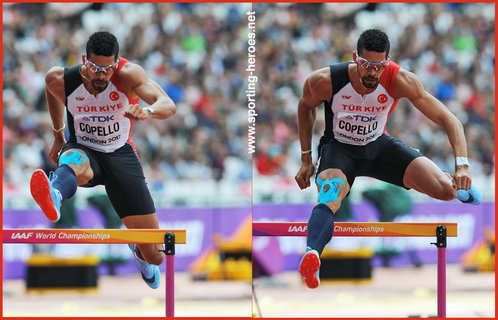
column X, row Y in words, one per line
column 129, row 138
column 388, row 76
column 387, row 81
column 115, row 80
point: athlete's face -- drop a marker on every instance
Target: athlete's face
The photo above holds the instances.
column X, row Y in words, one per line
column 371, row 65
column 99, row 70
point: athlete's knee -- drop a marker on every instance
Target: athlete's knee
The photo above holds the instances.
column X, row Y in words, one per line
column 151, row 253
column 155, row 258
column 74, row 157
column 329, row 191
column 78, row 161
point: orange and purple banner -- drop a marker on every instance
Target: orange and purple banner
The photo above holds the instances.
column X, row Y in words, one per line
column 287, row 250
column 89, row 235
column 202, row 225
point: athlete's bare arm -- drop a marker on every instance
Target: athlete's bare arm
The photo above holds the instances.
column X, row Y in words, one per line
column 316, row 89
column 54, row 91
column 135, row 82
column 408, row 85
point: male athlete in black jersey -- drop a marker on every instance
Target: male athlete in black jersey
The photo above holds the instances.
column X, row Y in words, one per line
column 100, row 97
column 359, row 96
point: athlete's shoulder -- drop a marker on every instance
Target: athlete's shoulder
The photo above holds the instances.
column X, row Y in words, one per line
column 407, row 84
column 318, row 85
column 316, row 88
column 322, row 80
column 54, row 74
column 406, row 75
column 320, row 77
column 54, row 82
column 127, row 68
column 129, row 74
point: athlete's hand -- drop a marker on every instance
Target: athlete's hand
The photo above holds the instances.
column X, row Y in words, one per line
column 462, row 179
column 59, row 142
column 136, row 112
column 304, row 174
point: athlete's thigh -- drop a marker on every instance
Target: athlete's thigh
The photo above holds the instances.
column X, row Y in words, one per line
column 425, row 176
column 334, row 157
column 391, row 162
column 125, row 184
column 335, row 175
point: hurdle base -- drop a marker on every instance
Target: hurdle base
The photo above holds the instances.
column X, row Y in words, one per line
column 346, row 265
column 58, row 290
column 48, row 273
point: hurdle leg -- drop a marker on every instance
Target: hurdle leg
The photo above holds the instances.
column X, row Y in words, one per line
column 441, row 271
column 169, row 242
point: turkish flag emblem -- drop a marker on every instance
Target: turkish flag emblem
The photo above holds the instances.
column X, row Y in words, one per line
column 382, row 98
column 114, row 96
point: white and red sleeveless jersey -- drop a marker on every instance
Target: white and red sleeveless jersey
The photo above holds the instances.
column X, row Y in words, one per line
column 358, row 119
column 97, row 121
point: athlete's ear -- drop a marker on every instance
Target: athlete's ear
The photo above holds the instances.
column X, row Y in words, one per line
column 354, row 57
column 83, row 58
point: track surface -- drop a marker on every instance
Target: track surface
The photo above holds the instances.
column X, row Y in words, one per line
column 392, row 292
column 130, row 296
column 396, row 292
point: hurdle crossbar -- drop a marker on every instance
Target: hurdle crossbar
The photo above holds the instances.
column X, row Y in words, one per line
column 355, row 229
column 109, row 236
column 378, row 229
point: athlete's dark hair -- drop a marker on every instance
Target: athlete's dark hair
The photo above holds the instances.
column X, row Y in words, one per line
column 102, row 43
column 373, row 40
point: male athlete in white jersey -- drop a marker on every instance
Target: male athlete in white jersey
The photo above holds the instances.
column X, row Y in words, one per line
column 358, row 97
column 101, row 98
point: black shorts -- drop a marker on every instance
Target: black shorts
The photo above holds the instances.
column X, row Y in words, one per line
column 122, row 175
column 385, row 159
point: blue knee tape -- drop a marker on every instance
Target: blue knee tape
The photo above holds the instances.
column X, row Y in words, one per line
column 332, row 193
column 75, row 157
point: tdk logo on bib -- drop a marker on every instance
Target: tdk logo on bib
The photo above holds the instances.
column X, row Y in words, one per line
column 361, row 118
column 98, row 118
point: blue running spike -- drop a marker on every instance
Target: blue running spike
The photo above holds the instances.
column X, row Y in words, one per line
column 150, row 272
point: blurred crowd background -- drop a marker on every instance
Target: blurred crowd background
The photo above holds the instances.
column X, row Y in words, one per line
column 198, row 54
column 449, row 46
column 194, row 51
